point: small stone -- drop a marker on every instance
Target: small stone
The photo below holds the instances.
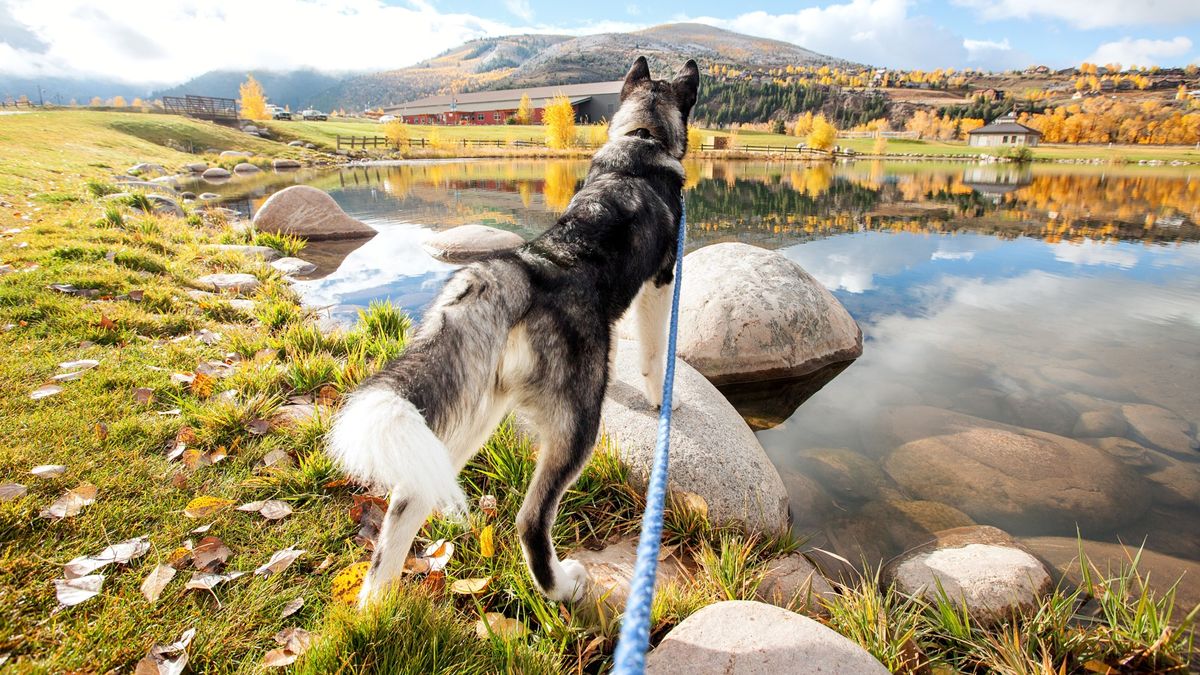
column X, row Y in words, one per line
column 215, row 172
column 235, row 153
column 470, row 242
column 610, row 571
column 285, row 163
column 239, row 283
column 296, row 144
column 262, row 252
column 294, row 267
column 246, row 167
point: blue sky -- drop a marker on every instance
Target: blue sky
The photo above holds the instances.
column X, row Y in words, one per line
column 171, row 41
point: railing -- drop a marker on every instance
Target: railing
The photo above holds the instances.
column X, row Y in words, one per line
column 18, row 104
column 911, row 135
column 364, row 142
column 202, row 107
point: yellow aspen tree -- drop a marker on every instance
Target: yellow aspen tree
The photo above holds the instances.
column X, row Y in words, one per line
column 397, row 133
column 525, row 110
column 254, row 101
column 96, row 102
column 559, row 119
column 823, row 134
column 118, row 102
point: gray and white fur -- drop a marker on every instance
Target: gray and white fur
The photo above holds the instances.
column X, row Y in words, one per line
column 531, row 330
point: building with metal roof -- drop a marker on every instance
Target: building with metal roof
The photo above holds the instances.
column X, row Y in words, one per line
column 592, row 102
column 1003, row 131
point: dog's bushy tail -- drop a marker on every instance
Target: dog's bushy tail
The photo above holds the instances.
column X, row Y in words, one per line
column 381, row 439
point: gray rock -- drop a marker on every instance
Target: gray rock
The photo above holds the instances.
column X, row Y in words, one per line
column 242, row 305
column 238, row 283
column 982, row 567
column 146, row 169
column 187, row 196
column 294, row 266
column 307, row 212
column 236, row 153
column 1094, row 385
column 284, row 163
column 262, row 252
column 296, row 144
column 470, row 242
column 209, row 196
column 1020, row 478
column 167, row 181
column 713, row 453
column 1160, row 427
column 610, row 571
column 752, row 638
column 299, row 413
column 196, row 167
column 749, row 314
column 246, row 167
column 792, row 582
column 310, row 146
column 215, row 172
column 905, row 523
column 1100, row 423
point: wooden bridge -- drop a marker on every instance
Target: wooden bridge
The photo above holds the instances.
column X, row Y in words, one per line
column 203, row 107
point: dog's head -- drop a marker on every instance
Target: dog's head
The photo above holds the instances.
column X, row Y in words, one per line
column 656, row 111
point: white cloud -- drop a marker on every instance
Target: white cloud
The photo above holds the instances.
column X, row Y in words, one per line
column 878, row 32
column 520, row 8
column 994, row 54
column 1142, row 52
column 1092, row 252
column 1090, row 13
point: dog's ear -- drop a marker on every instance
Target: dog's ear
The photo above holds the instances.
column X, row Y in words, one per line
column 686, row 86
column 638, row 72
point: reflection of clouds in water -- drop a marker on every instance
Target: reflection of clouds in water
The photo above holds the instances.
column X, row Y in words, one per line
column 389, row 264
column 1091, row 252
column 852, row 263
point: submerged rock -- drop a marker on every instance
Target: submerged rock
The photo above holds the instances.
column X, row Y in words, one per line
column 304, row 211
column 713, row 453
column 470, row 242
column 752, row 638
column 749, row 314
column 1160, row 427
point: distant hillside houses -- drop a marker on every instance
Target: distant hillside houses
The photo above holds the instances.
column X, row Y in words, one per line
column 592, row 102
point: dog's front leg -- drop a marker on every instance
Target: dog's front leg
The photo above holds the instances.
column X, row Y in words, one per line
column 654, row 314
column 404, row 518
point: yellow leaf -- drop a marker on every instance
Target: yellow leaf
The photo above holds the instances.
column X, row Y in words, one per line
column 499, row 625
column 487, row 547
column 470, row 586
column 204, row 506
column 693, row 502
column 349, row 581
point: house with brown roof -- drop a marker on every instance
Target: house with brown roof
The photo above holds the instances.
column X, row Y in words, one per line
column 1003, row 131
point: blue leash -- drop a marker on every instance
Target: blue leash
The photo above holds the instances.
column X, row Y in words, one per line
column 630, row 658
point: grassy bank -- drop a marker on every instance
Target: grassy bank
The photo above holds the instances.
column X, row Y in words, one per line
column 167, row 360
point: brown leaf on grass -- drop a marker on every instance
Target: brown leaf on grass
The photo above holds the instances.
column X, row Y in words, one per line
column 210, row 554
column 182, row 378
column 10, row 491
column 185, row 435
column 328, row 395
column 280, row 561
column 325, row 564
column 349, row 581
column 106, row 323
column 495, row 623
column 101, row 430
column 295, row 641
column 169, row 659
column 487, row 504
column 416, row 565
column 143, row 395
column 117, row 553
column 181, row 556
column 214, row 369
column 336, row 483
column 271, row 509
column 45, row 391
column 204, row 506
column 258, row 427
column 48, row 470
column 276, row 457
column 156, row 581
column 137, row 295
column 291, row 607
column 191, row 457
column 71, row 592
column 202, row 385
column 81, row 364
column 435, row 582
column 470, row 586
column 368, row 513
column 71, row 502
column 179, row 481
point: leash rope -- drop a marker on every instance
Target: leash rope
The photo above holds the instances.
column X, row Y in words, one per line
column 630, row 657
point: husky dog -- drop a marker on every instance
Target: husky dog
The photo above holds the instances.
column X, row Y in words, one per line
column 531, row 330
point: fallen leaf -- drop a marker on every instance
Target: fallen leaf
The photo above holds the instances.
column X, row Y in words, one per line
column 10, row 491
column 44, row 391
column 251, row 507
column 416, row 565
column 210, row 554
column 185, row 435
column 216, row 455
column 362, row 504
column 368, row 513
column 435, row 582
column 191, row 458
column 204, row 506
column 71, row 592
column 214, row 369
column 325, row 564
column 439, row 554
column 101, row 430
column 349, row 581
column 470, row 586
column 495, row 623
column 276, row 457
column 169, row 659
column 275, row 509
column 258, row 427
column 179, row 481
column 180, row 557
column 182, row 378
column 137, row 295
column 295, row 642
column 48, row 470
column 487, row 504
column 291, row 607
column 117, row 553
column 82, row 364
column 168, row 413
column 156, row 581
column 71, row 502
column 278, row 658
column 487, row 547
column 202, row 385
column 106, row 323
column 328, row 395
column 143, row 395
column 206, row 581
column 207, row 337
column 692, row 502
column 202, row 529
column 280, row 561
column 68, row 377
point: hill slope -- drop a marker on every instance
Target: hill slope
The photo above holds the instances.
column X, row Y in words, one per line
column 295, row 88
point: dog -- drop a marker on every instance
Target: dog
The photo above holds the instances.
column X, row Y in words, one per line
column 531, row 330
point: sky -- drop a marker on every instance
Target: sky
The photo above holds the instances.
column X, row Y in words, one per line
column 170, row 41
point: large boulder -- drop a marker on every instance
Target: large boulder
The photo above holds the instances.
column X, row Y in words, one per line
column 307, row 212
column 196, row 167
column 751, row 638
column 713, row 453
column 470, row 242
column 1160, row 427
column 1021, row 479
column 246, row 167
column 748, row 314
column 981, row 567
column 795, row 583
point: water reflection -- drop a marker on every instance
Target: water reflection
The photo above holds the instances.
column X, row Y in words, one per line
column 1044, row 299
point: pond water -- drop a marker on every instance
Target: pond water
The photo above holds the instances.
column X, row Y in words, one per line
column 993, row 299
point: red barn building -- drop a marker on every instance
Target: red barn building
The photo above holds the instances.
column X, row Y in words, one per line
column 592, row 102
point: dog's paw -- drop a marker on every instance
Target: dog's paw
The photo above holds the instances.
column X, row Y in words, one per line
column 571, row 582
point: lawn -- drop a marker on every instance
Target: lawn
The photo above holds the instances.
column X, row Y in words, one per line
column 170, row 409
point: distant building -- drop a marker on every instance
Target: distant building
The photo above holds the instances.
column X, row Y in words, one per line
column 592, row 102
column 1003, row 131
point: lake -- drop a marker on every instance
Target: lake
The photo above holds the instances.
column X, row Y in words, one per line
column 992, row 298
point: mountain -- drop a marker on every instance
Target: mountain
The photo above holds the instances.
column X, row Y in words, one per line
column 62, row 90
column 295, row 88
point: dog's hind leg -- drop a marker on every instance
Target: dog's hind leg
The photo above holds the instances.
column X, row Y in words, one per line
column 404, row 518
column 653, row 315
column 567, row 433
